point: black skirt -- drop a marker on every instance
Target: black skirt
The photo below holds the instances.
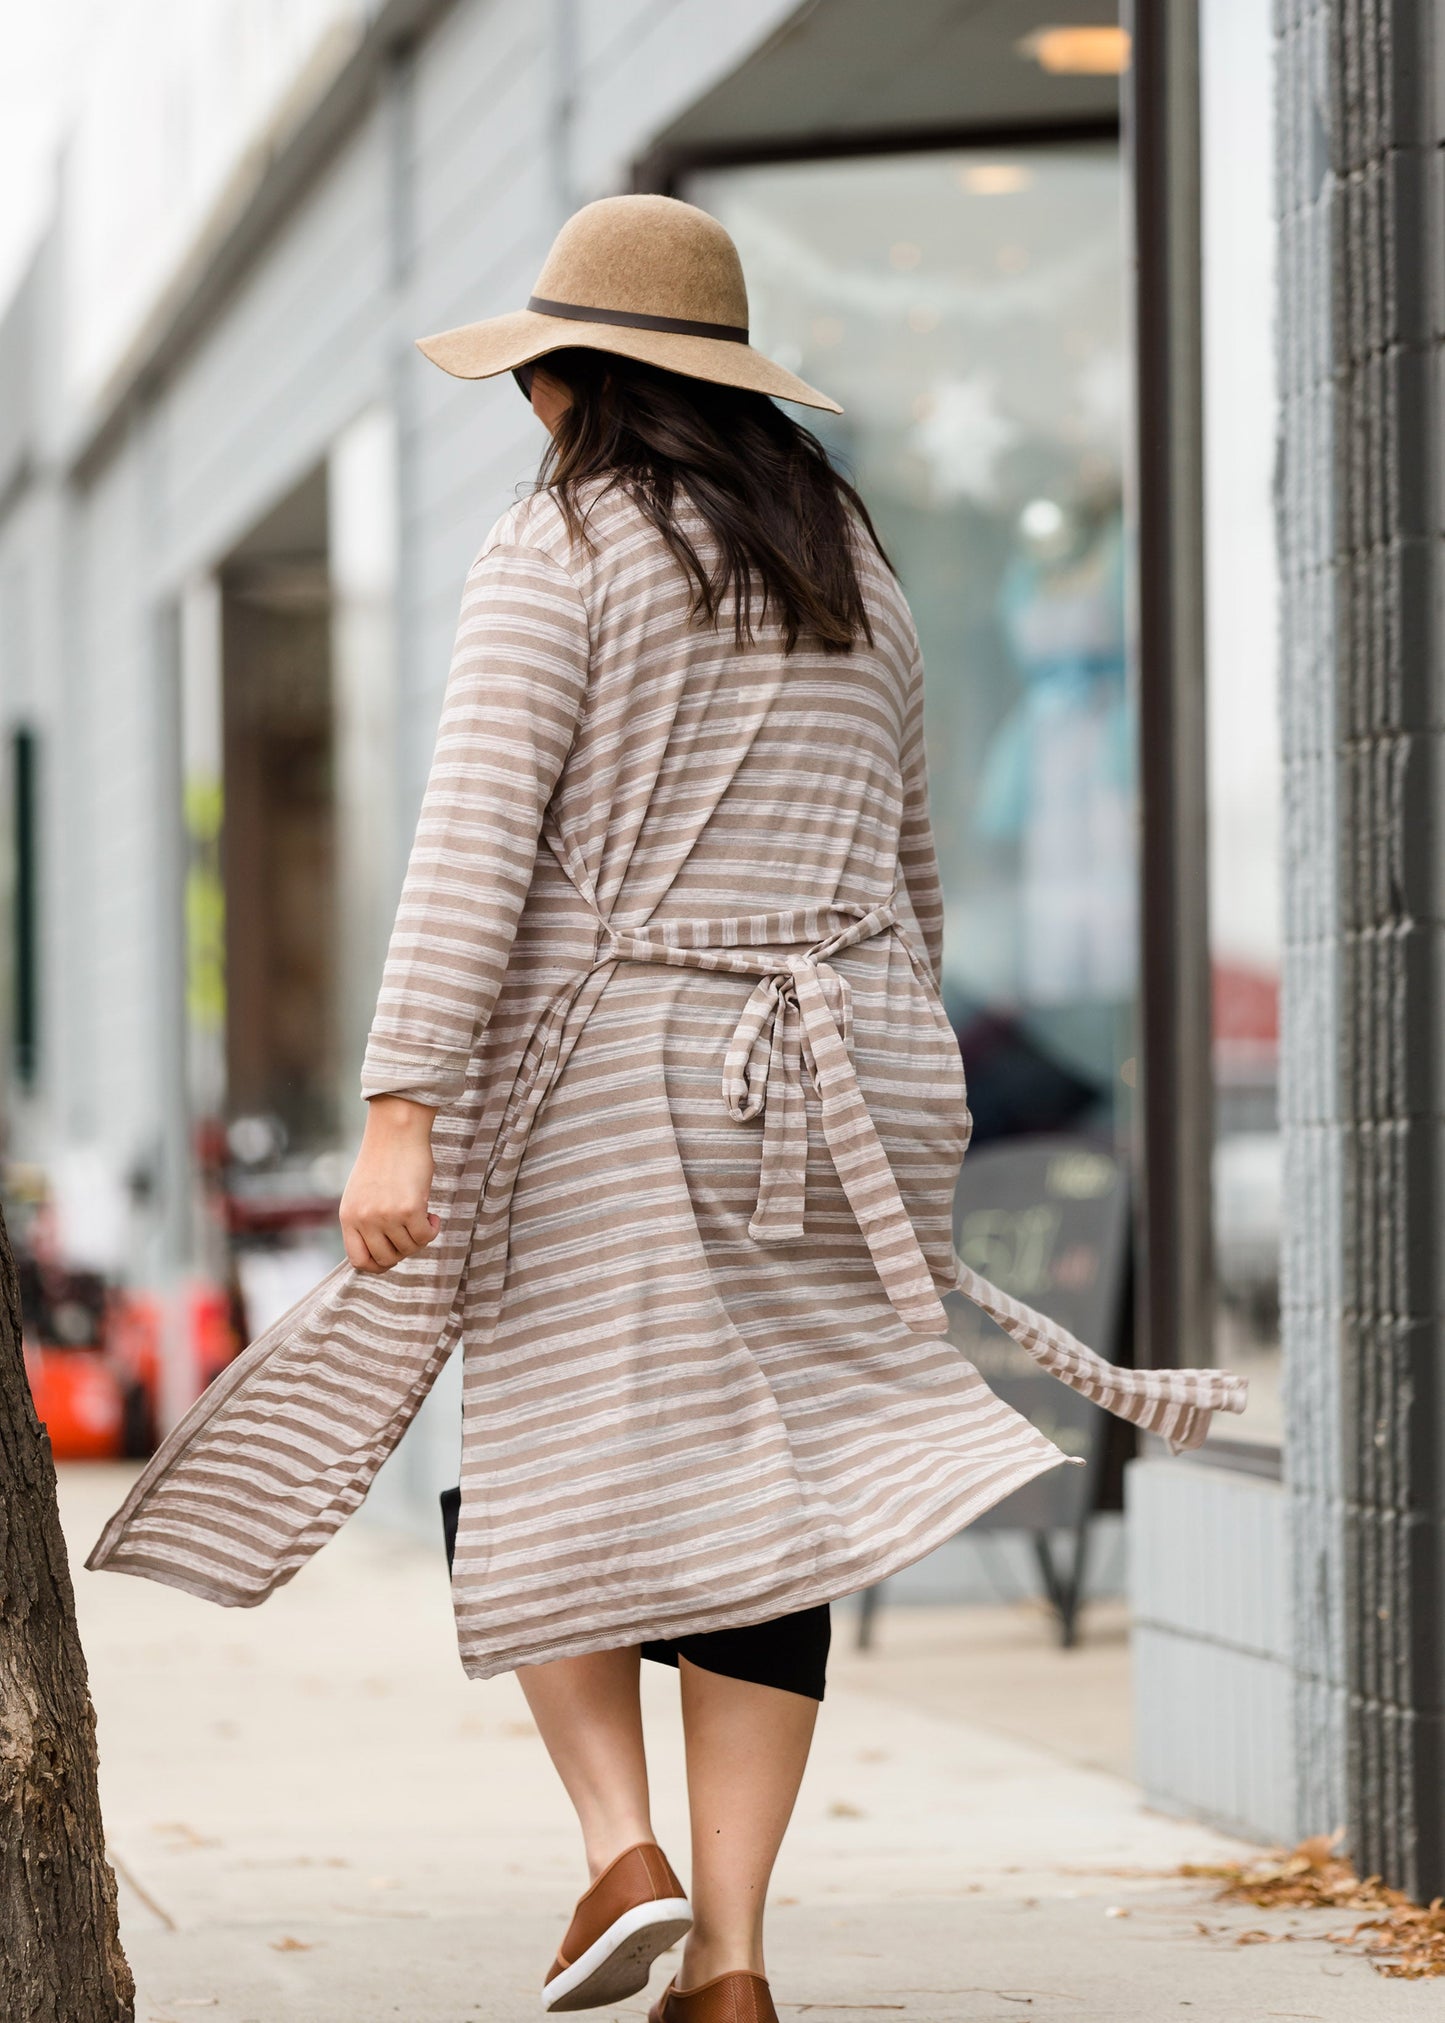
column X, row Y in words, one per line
column 789, row 1652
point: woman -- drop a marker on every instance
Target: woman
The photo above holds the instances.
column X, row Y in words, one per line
column 664, row 1119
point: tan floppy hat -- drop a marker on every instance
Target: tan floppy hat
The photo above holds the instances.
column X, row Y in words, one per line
column 647, row 277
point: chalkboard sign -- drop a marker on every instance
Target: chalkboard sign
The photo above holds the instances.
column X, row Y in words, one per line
column 1047, row 1219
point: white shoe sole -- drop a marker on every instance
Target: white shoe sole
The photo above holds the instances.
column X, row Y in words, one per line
column 617, row 1965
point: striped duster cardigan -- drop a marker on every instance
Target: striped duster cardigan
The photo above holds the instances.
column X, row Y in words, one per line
column 666, row 964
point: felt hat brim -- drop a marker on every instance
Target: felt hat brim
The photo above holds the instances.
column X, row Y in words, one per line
column 502, row 343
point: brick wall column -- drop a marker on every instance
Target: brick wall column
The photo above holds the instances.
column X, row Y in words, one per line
column 1363, row 1038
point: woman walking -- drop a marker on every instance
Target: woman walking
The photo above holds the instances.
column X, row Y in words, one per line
column 664, row 1120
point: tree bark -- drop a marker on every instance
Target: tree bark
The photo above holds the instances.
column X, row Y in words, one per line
column 60, row 1952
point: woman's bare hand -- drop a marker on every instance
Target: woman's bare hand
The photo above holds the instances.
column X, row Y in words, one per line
column 384, row 1215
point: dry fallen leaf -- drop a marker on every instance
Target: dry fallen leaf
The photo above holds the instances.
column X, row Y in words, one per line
column 293, row 1861
column 182, row 1835
column 1403, row 1940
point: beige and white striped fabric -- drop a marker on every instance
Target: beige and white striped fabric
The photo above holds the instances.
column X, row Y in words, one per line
column 666, row 963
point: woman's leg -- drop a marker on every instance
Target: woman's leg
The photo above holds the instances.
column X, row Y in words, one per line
column 588, row 1711
column 746, row 1749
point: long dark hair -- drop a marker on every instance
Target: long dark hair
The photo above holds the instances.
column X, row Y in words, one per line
column 783, row 517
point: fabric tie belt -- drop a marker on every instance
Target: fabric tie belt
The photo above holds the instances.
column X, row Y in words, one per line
column 800, row 1018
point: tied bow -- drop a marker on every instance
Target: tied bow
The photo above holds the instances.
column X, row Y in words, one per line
column 763, row 1069
column 800, row 1015
column 799, row 1018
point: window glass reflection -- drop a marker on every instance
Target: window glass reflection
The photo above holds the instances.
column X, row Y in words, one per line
column 1244, row 776
column 967, row 310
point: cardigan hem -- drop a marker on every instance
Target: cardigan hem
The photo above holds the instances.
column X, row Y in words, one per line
column 165, row 1574
column 788, row 1596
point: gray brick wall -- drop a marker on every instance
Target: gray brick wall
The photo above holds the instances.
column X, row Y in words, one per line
column 1310, row 1090
column 1361, row 222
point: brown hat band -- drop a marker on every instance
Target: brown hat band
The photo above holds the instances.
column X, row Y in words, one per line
column 629, row 319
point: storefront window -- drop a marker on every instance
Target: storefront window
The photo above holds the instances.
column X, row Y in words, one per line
column 967, row 310
column 1244, row 776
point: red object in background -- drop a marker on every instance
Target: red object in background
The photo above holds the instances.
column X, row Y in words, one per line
column 133, row 1348
column 78, row 1398
column 103, row 1401
column 133, row 1338
column 210, row 1331
column 133, row 1351
column 278, row 1214
column 133, row 1335
column 1246, row 1005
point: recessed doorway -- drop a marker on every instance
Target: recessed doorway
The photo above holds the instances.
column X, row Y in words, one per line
column 278, row 857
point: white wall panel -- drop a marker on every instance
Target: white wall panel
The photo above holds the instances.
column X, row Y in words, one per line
column 469, row 59
column 651, row 62
column 297, row 353
column 1213, row 1693
column 106, row 772
column 474, row 121
column 1213, row 1733
column 608, row 30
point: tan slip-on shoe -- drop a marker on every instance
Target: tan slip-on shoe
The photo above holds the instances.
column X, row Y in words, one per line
column 731, row 1998
column 635, row 1910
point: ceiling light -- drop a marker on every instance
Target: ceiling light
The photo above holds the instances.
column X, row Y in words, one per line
column 994, row 179
column 1078, row 52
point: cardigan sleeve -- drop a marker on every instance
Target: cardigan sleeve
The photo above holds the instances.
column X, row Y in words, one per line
column 513, row 698
column 917, row 855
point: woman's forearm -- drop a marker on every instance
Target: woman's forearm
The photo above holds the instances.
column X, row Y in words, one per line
column 398, row 1117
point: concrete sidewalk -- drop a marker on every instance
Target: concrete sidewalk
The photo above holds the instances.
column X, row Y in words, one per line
column 316, row 1817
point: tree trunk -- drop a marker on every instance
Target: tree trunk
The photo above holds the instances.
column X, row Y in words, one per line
column 60, row 1952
